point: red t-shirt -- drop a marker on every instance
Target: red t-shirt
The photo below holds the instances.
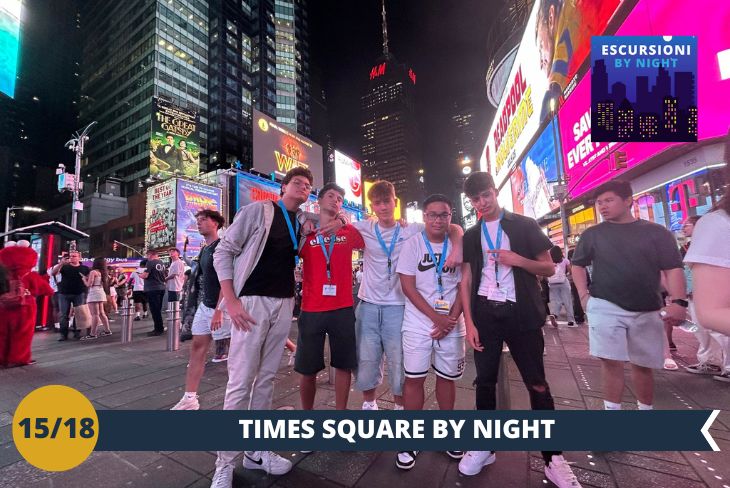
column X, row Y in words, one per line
column 314, row 270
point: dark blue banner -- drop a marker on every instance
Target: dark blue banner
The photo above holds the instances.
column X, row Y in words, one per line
column 352, row 430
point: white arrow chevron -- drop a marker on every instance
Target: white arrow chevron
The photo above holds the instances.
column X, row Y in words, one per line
column 706, row 430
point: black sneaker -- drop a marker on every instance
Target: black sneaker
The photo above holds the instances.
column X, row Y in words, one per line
column 672, row 346
column 455, row 454
column 553, row 320
column 155, row 333
column 572, row 324
column 62, row 338
column 406, row 459
column 137, row 319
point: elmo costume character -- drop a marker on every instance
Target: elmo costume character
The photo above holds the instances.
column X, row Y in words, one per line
column 18, row 304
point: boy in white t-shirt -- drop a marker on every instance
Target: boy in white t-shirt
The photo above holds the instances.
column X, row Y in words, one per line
column 432, row 324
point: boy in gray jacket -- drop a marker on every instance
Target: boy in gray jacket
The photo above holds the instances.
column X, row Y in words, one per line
column 255, row 263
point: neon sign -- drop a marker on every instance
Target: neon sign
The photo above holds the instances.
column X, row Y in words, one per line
column 378, row 70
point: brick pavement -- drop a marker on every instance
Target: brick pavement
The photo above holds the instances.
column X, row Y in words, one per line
column 142, row 375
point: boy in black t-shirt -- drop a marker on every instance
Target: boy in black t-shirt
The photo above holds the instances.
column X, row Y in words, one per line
column 624, row 305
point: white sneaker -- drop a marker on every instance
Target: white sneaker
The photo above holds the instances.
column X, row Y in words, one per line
column 186, row 403
column 473, row 462
column 395, row 407
column 268, row 461
column 406, row 459
column 223, row 477
column 370, row 405
column 558, row 471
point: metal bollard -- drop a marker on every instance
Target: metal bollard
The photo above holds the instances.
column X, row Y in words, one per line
column 331, row 369
column 173, row 326
column 127, row 320
column 503, row 397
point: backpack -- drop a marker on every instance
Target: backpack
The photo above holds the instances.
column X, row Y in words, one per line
column 560, row 276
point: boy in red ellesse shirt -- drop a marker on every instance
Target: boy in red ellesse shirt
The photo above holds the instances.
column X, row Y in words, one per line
column 327, row 303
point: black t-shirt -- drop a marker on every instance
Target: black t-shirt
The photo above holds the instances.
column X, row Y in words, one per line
column 627, row 262
column 273, row 276
column 210, row 287
column 155, row 280
column 71, row 281
column 526, row 239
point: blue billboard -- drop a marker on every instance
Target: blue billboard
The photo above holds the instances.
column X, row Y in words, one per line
column 9, row 44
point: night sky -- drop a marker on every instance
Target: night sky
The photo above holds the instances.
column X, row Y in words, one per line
column 443, row 41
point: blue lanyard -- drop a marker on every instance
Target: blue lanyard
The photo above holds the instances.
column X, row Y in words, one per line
column 327, row 255
column 491, row 245
column 388, row 251
column 292, row 234
column 440, row 264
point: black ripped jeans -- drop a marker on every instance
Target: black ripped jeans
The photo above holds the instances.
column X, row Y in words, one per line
column 498, row 323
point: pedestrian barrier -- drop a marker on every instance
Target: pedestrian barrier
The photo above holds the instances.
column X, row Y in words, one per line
column 127, row 320
column 173, row 326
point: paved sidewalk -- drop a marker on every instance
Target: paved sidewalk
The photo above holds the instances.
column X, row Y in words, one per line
column 142, row 375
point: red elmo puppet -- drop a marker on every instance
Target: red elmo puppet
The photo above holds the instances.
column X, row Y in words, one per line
column 18, row 304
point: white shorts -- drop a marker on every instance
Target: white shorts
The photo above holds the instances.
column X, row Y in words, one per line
column 201, row 323
column 449, row 355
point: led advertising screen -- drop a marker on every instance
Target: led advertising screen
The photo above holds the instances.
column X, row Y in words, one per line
column 348, row 175
column 174, row 145
column 191, row 198
column 160, row 216
column 277, row 149
column 555, row 44
column 588, row 164
column 9, row 44
column 532, row 180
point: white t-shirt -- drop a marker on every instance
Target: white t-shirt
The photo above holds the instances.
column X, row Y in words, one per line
column 137, row 281
column 415, row 260
column 711, row 240
column 561, row 273
column 506, row 277
column 178, row 269
column 375, row 287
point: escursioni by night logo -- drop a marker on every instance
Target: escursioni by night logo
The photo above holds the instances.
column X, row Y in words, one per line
column 644, row 89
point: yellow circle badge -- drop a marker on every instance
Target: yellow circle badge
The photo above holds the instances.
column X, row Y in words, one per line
column 55, row 428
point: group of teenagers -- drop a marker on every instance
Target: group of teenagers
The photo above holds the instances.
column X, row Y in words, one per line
column 427, row 290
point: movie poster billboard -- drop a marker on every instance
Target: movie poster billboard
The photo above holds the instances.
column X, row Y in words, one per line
column 9, row 44
column 533, row 179
column 555, row 44
column 174, row 145
column 160, row 216
column 468, row 212
column 277, row 149
column 191, row 198
column 348, row 175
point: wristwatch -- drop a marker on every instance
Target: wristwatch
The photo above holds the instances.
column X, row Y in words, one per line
column 681, row 303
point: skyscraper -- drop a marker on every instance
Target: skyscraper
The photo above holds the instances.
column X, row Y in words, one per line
column 131, row 52
column 221, row 58
column 389, row 125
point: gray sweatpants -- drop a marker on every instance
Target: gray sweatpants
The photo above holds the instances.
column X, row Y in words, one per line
column 254, row 358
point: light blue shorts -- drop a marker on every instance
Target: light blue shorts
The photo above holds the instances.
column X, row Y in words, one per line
column 378, row 331
column 622, row 335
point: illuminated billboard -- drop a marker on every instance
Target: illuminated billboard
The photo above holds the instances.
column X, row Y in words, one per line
column 9, row 44
column 589, row 164
column 174, row 145
column 159, row 220
column 348, row 175
column 191, row 198
column 555, row 44
column 533, row 179
column 277, row 149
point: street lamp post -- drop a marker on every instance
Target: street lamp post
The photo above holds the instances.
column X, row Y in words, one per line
column 8, row 212
column 77, row 145
column 561, row 189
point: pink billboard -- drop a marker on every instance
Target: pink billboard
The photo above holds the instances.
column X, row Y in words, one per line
column 588, row 164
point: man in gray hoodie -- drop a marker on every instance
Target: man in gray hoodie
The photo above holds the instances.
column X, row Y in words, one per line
column 255, row 263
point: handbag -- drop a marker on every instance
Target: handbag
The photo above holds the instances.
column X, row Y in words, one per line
column 82, row 316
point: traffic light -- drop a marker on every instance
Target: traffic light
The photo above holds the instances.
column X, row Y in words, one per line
column 115, row 246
